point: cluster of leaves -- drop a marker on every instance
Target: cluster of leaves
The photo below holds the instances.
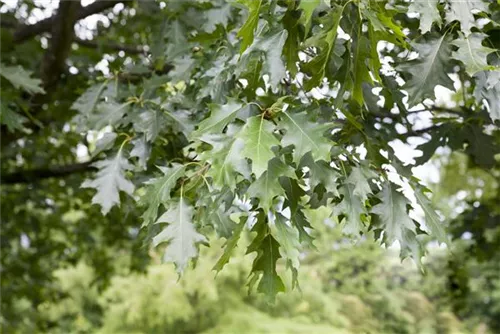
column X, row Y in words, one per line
column 263, row 111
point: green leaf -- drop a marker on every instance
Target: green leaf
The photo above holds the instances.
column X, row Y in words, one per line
column 109, row 180
column 104, row 143
column 352, row 208
column 267, row 186
column 428, row 11
column 13, row 120
column 21, row 78
column 230, row 245
column 258, row 139
column 141, row 150
column 264, row 265
column 288, row 238
column 428, row 70
column 307, row 7
column 361, row 73
column 305, row 136
column 325, row 42
column 432, row 220
column 247, row 30
column 87, row 102
column 225, row 159
column 215, row 17
column 107, row 113
column 320, row 172
column 220, row 117
column 488, row 88
column 359, row 179
column 395, row 219
column 472, row 53
column 180, row 234
column 272, row 47
column 150, row 123
column 158, row 191
column 463, row 11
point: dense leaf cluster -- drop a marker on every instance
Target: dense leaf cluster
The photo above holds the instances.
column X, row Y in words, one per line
column 243, row 115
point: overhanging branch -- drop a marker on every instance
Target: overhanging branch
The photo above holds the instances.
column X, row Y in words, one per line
column 25, row 32
column 62, row 30
column 33, row 175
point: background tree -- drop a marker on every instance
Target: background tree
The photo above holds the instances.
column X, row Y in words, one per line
column 255, row 112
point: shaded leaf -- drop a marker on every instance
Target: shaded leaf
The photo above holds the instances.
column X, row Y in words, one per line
column 180, row 234
column 109, row 180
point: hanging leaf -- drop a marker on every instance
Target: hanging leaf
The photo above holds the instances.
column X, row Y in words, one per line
column 258, row 139
column 428, row 70
column 21, row 79
column 220, row 117
column 225, row 159
column 247, row 30
column 180, row 234
column 352, row 208
column 13, row 120
column 472, row 53
column 305, row 136
column 429, row 13
column 267, row 186
column 432, row 220
column 398, row 226
column 158, row 191
column 463, row 12
column 109, row 180
column 359, row 179
column 264, row 265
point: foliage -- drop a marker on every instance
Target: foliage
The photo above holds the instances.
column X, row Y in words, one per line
column 218, row 118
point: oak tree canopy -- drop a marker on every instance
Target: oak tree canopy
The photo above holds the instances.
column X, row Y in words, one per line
column 194, row 120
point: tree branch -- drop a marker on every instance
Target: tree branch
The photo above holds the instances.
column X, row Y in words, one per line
column 63, row 32
column 132, row 49
column 33, row 175
column 25, row 32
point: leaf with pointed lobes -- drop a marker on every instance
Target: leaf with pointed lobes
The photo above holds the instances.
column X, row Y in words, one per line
column 13, row 120
column 268, row 186
column 21, row 78
column 272, row 48
column 320, row 172
column 472, row 53
column 307, row 8
column 220, row 117
column 158, row 191
column 180, row 234
column 463, row 12
column 88, row 101
column 258, row 139
column 225, row 159
column 264, row 265
column 305, row 136
column 396, row 223
column 428, row 70
column 352, row 208
column 359, row 179
column 429, row 13
column 488, row 88
column 288, row 239
column 246, row 32
column 110, row 179
column 324, row 41
column 141, row 150
column 231, row 242
column 432, row 220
